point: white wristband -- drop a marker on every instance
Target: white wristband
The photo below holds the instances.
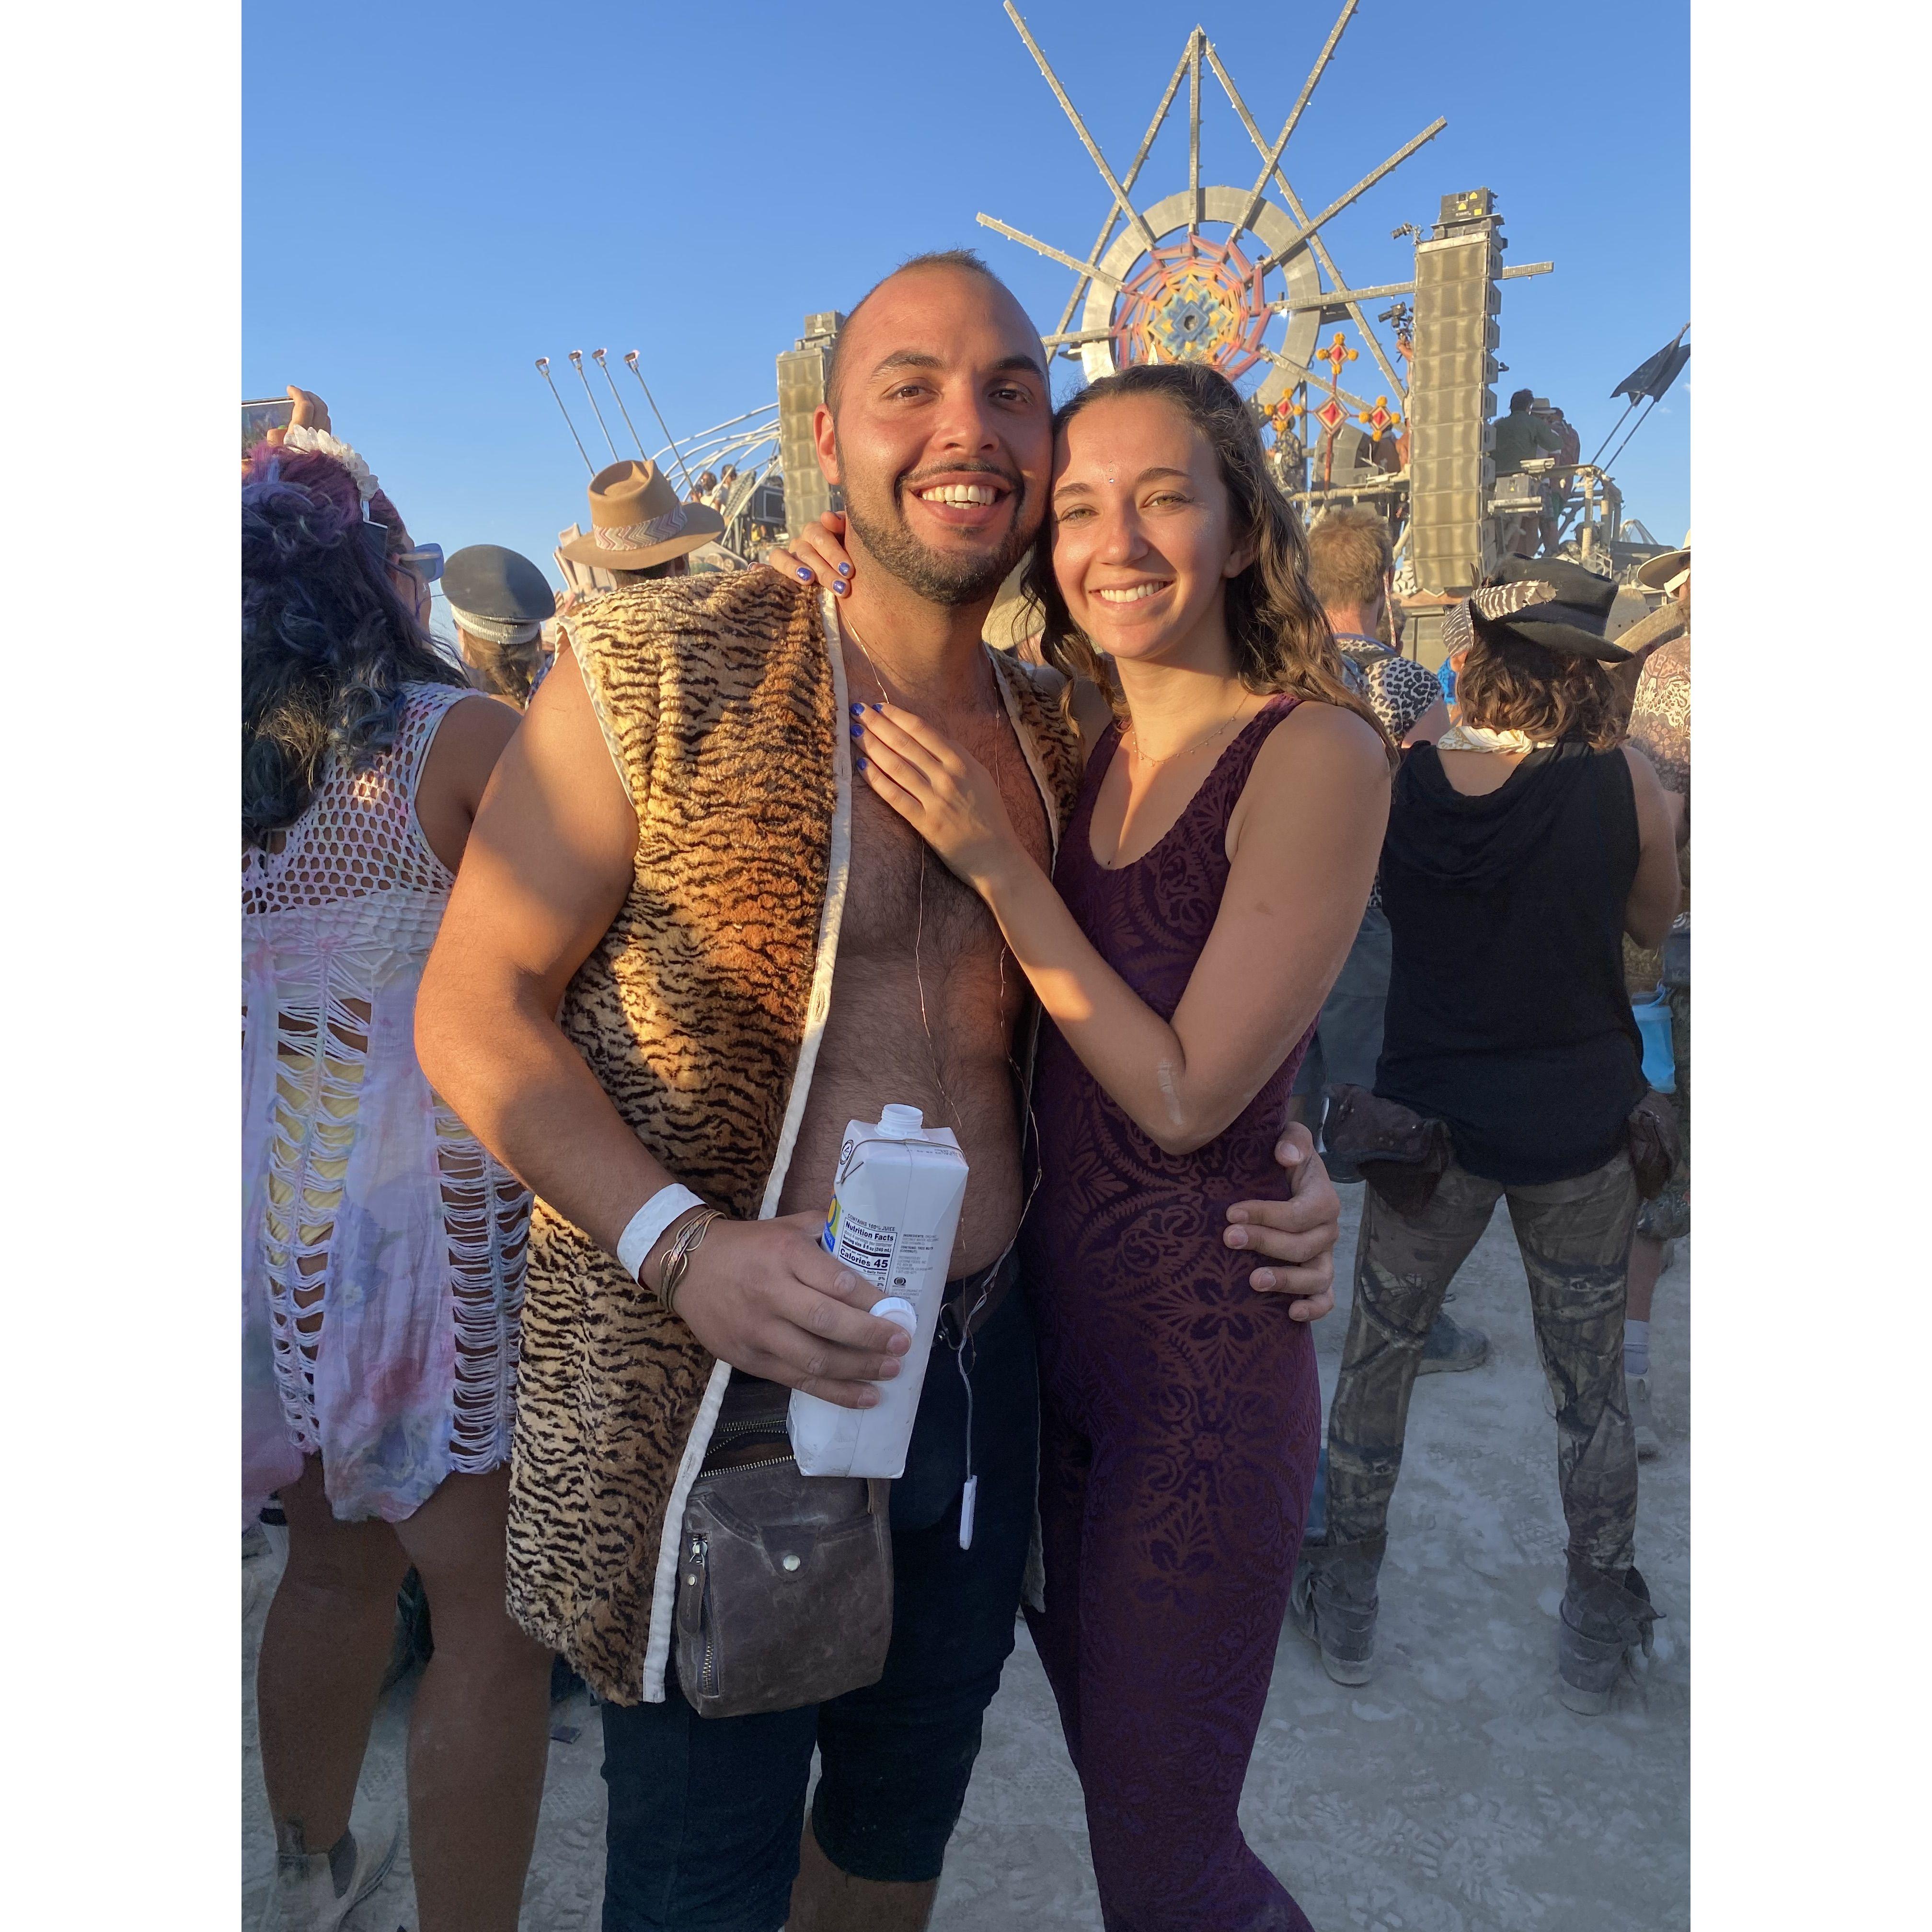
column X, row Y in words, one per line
column 640, row 1233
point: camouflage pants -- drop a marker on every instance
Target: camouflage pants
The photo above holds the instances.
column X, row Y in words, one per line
column 1575, row 1237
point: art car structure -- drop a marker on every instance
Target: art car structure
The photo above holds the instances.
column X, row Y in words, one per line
column 1242, row 276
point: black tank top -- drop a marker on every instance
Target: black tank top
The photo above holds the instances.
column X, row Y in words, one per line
column 1507, row 1016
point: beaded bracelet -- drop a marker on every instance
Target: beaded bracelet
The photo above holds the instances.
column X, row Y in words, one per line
column 677, row 1263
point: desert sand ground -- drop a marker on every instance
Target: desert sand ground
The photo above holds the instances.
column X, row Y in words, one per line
column 1452, row 1794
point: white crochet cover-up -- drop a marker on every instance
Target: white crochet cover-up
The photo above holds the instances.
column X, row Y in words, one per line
column 382, row 1247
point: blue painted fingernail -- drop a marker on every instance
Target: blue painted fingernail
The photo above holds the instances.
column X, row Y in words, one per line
column 864, row 764
column 841, row 589
column 858, row 711
column 844, row 570
column 804, row 575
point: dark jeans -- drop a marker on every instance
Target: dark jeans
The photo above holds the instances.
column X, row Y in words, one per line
column 706, row 1813
column 1348, row 1038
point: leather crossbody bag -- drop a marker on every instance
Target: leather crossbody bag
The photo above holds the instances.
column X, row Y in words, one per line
column 1402, row 1156
column 784, row 1583
column 1656, row 1143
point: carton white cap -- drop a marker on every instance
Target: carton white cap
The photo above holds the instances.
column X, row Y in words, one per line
column 895, row 1308
column 899, row 1124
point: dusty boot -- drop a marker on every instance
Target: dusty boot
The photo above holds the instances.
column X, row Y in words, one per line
column 1333, row 1603
column 1602, row 1621
column 1451, row 1348
column 317, row 1892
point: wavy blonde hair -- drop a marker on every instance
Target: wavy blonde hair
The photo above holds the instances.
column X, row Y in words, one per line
column 1280, row 632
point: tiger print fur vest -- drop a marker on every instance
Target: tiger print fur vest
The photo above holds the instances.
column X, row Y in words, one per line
column 699, row 1012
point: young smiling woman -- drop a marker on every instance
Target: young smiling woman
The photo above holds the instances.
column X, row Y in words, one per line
column 1207, row 890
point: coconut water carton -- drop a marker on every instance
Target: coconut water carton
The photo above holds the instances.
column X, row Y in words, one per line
column 895, row 1210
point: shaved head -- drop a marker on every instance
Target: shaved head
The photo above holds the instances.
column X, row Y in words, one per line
column 938, row 428
column 963, row 261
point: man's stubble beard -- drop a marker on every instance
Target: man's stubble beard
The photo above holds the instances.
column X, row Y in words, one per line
column 946, row 581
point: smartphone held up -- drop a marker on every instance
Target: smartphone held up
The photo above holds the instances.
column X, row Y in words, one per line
column 258, row 417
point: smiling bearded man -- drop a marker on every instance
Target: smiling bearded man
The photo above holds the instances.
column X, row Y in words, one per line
column 981, row 513
column 683, row 952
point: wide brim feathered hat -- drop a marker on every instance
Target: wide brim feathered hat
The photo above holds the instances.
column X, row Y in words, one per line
column 636, row 521
column 1548, row 602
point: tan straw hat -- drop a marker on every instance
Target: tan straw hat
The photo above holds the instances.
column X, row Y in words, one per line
column 1657, row 574
column 636, row 521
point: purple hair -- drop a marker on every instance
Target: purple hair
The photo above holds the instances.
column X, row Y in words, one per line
column 327, row 642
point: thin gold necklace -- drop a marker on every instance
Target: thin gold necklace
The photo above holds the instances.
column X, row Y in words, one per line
column 1133, row 737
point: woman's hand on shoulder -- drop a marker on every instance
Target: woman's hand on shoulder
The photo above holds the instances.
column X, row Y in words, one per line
column 820, row 556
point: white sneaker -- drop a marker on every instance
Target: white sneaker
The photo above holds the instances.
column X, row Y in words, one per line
column 1648, row 1446
column 303, row 1896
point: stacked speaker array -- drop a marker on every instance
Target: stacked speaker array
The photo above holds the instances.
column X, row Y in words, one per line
column 1452, row 395
column 802, row 369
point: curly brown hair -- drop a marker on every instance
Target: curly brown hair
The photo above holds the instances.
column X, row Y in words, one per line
column 1506, row 683
column 1280, row 633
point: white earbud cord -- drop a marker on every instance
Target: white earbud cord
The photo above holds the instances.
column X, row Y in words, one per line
column 965, row 1350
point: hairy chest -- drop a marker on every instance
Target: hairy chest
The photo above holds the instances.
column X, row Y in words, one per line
column 902, row 900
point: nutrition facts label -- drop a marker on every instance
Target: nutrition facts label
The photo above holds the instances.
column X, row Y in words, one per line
column 865, row 1246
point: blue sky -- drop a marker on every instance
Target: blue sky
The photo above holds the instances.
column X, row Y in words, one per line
column 436, row 194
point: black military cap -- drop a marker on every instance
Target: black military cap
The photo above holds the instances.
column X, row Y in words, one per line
column 489, row 581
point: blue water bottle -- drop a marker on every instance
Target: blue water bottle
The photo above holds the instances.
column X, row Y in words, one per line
column 1653, row 1023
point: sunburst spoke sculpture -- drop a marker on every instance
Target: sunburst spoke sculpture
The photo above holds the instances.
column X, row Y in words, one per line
column 1223, row 275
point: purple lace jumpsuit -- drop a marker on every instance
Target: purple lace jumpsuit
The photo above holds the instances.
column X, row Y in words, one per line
column 1180, row 1417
